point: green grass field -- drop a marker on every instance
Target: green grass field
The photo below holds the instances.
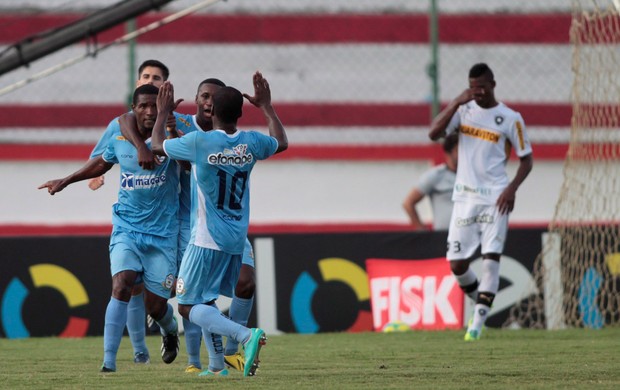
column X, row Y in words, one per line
column 503, row 359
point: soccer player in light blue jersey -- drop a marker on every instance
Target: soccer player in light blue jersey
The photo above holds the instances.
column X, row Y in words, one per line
column 222, row 161
column 145, row 229
column 243, row 294
column 155, row 73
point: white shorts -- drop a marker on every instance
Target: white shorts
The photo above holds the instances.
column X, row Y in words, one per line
column 474, row 225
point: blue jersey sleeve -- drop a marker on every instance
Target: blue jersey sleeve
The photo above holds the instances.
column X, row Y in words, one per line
column 109, row 153
column 183, row 148
column 264, row 146
column 104, row 140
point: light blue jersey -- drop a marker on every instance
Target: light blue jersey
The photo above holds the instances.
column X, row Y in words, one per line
column 147, row 199
column 186, row 123
column 113, row 127
column 221, row 166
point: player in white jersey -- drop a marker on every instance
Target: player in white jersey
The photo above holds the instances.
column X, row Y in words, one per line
column 222, row 161
column 483, row 194
column 437, row 183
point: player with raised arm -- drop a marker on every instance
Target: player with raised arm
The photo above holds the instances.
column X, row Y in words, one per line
column 222, row 161
column 151, row 72
column 243, row 295
column 145, row 230
column 483, row 195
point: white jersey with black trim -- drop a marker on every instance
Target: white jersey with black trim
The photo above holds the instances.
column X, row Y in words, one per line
column 486, row 137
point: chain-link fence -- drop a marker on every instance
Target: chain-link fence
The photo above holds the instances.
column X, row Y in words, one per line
column 344, row 73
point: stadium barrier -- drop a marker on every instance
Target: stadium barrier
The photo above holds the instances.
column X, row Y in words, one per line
column 307, row 282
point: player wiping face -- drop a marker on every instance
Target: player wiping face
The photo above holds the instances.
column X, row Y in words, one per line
column 481, row 90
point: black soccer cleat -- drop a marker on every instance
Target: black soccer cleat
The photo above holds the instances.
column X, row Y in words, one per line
column 169, row 347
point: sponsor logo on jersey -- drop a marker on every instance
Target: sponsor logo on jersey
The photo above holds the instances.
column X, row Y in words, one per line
column 184, row 121
column 120, row 138
column 458, row 187
column 236, row 156
column 228, row 217
column 482, row 134
column 499, row 119
column 131, row 182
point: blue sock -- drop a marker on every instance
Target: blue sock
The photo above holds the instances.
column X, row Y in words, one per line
column 168, row 324
column 193, row 336
column 240, row 310
column 136, row 319
column 115, row 319
column 211, row 320
column 215, row 346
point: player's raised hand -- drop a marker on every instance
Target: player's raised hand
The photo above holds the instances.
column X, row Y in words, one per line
column 53, row 186
column 465, row 96
column 262, row 92
column 165, row 98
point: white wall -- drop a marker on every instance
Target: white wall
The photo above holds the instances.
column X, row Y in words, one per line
column 282, row 192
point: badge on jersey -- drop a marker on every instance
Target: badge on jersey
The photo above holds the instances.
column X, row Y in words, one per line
column 499, row 120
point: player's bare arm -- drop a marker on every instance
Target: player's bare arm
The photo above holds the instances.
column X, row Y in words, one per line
column 414, row 197
column 129, row 129
column 165, row 106
column 506, row 201
column 93, row 168
column 262, row 100
column 441, row 121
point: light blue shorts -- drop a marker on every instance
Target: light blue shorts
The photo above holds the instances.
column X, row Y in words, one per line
column 206, row 274
column 154, row 258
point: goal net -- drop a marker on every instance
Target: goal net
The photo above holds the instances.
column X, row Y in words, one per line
column 577, row 273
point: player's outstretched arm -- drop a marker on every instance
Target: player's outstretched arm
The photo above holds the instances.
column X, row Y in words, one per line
column 442, row 120
column 165, row 106
column 93, row 168
column 129, row 129
column 262, row 100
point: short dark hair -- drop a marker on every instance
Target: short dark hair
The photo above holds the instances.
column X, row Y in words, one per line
column 481, row 69
column 211, row 81
column 155, row 64
column 227, row 104
column 450, row 142
column 146, row 89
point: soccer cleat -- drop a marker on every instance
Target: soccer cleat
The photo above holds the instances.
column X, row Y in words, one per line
column 169, row 347
column 223, row 372
column 105, row 369
column 192, row 369
column 472, row 335
column 236, row 361
column 141, row 358
column 252, row 349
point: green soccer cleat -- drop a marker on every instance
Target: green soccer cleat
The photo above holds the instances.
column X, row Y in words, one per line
column 472, row 335
column 235, row 361
column 252, row 349
column 223, row 372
